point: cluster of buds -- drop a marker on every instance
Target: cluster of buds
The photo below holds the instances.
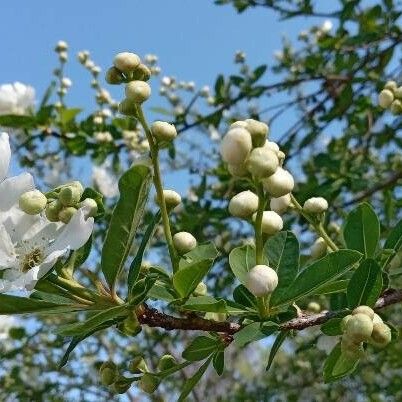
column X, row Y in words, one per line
column 391, row 97
column 151, row 61
column 363, row 325
column 64, row 83
column 60, row 205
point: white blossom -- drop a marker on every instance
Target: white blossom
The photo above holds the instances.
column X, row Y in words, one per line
column 105, row 180
column 16, row 99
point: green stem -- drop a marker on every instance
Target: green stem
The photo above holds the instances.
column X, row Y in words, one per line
column 318, row 227
column 159, row 188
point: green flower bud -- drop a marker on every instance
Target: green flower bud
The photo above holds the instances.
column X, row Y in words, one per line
column 166, row 362
column 149, row 383
column 201, row 289
column 344, row 322
column 184, row 242
column 258, row 131
column 114, row 76
column 126, row 62
column 398, row 93
column 52, row 211
column 131, row 326
column 172, row 199
column 381, row 335
column 142, row 73
column 261, row 280
column 90, row 207
column 385, row 98
column 32, row 202
column 108, row 373
column 128, row 107
column 396, row 107
column 314, row 307
column 137, row 365
column 262, row 162
column 138, row 91
column 271, row 222
column 236, row 146
column 163, row 131
column 359, row 328
column 280, row 183
column 70, row 195
column 66, row 214
column 319, row 248
column 238, row 170
column 368, row 311
column 121, row 385
column 244, row 204
column 391, row 85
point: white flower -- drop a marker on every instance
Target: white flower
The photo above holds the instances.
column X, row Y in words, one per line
column 16, row 98
column 280, row 204
column 271, row 222
column 66, row 82
column 105, row 180
column 326, row 26
column 261, row 280
column 244, row 204
column 6, row 323
column 30, row 249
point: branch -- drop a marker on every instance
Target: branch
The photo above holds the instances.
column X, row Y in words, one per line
column 154, row 318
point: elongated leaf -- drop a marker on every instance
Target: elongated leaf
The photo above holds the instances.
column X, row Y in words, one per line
column 362, row 230
column 162, row 291
column 275, row 347
column 137, row 261
column 244, row 297
column 141, row 289
column 365, row 285
column 219, row 362
column 332, row 327
column 336, row 366
column 254, row 332
column 394, row 240
column 200, row 348
column 241, row 260
column 134, row 188
column 206, row 304
column 323, row 271
column 334, row 287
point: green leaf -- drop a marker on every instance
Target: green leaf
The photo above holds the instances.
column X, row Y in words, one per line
column 365, row 285
column 254, row 332
column 244, row 297
column 241, row 260
column 219, row 362
column 205, row 304
column 200, row 348
column 134, row 188
column 323, row 271
column 206, row 251
column 141, row 289
column 362, row 230
column 67, row 115
column 162, row 291
column 77, row 258
column 394, row 241
column 186, row 279
column 17, row 121
column 336, row 366
column 106, row 316
column 334, row 287
column 193, row 381
column 332, row 327
column 275, row 347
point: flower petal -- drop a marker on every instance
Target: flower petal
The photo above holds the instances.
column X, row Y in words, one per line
column 7, row 255
column 5, row 155
column 12, row 188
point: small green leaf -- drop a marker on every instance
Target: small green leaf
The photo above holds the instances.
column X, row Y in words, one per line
column 394, row 241
column 332, row 327
column 200, row 348
column 205, row 304
column 275, row 347
column 254, row 332
column 67, row 115
column 362, row 230
column 206, row 251
column 336, row 366
column 365, row 285
column 219, row 362
column 141, row 288
column 334, row 287
column 241, row 260
column 244, row 297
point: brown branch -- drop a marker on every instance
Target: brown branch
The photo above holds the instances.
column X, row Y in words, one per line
column 154, row 318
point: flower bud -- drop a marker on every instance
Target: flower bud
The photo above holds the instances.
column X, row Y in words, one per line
column 280, row 204
column 398, row 93
column 108, row 373
column 238, row 170
column 244, row 204
column 52, row 211
column 89, row 206
column 271, row 222
column 32, row 202
column 385, row 98
column 138, row 91
column 172, row 199
column 345, row 321
column 184, row 242
column 319, row 248
column 142, row 73
column 258, row 131
column 166, row 362
column 377, row 319
column 149, row 383
column 359, row 328
column 314, row 307
column 273, row 146
column 114, row 76
column 137, row 365
column 128, row 108
column 61, row 46
column 66, row 214
column 368, row 311
column 396, row 107
column 163, row 131
column 201, row 289
column 126, row 62
column 350, row 349
column 236, row 146
column 70, row 195
column 280, row 183
column 315, row 205
column 391, row 85
column 261, row 280
column 262, row 162
column 381, row 335
column 238, row 124
column 121, row 385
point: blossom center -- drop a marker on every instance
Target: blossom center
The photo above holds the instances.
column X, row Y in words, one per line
column 31, row 259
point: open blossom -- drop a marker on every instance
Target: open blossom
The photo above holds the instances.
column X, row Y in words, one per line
column 105, row 180
column 16, row 98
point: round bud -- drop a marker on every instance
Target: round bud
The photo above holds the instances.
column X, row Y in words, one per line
column 108, row 373
column 319, row 248
column 61, row 46
column 142, row 73
column 114, row 76
column 138, row 91
column 258, row 131
column 166, row 362
column 238, row 124
column 149, row 383
column 271, row 222
column 396, row 107
column 172, row 199
column 391, row 85
column 377, row 319
column 385, row 98
column 89, row 206
column 350, row 349
column 244, row 204
column 32, row 202
column 52, row 211
column 381, row 334
column 236, row 146
column 137, row 365
column 70, row 195
column 128, row 108
column 201, row 289
column 273, row 146
column 314, row 307
column 126, row 62
column 280, row 183
column 368, row 311
column 130, row 326
column 184, row 242
column 280, row 204
column 359, row 328
column 398, row 93
column 238, row 170
column 261, row 280
column 315, row 205
column 121, row 385
column 66, row 214
column 344, row 322
column 262, row 162
column 163, row 131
